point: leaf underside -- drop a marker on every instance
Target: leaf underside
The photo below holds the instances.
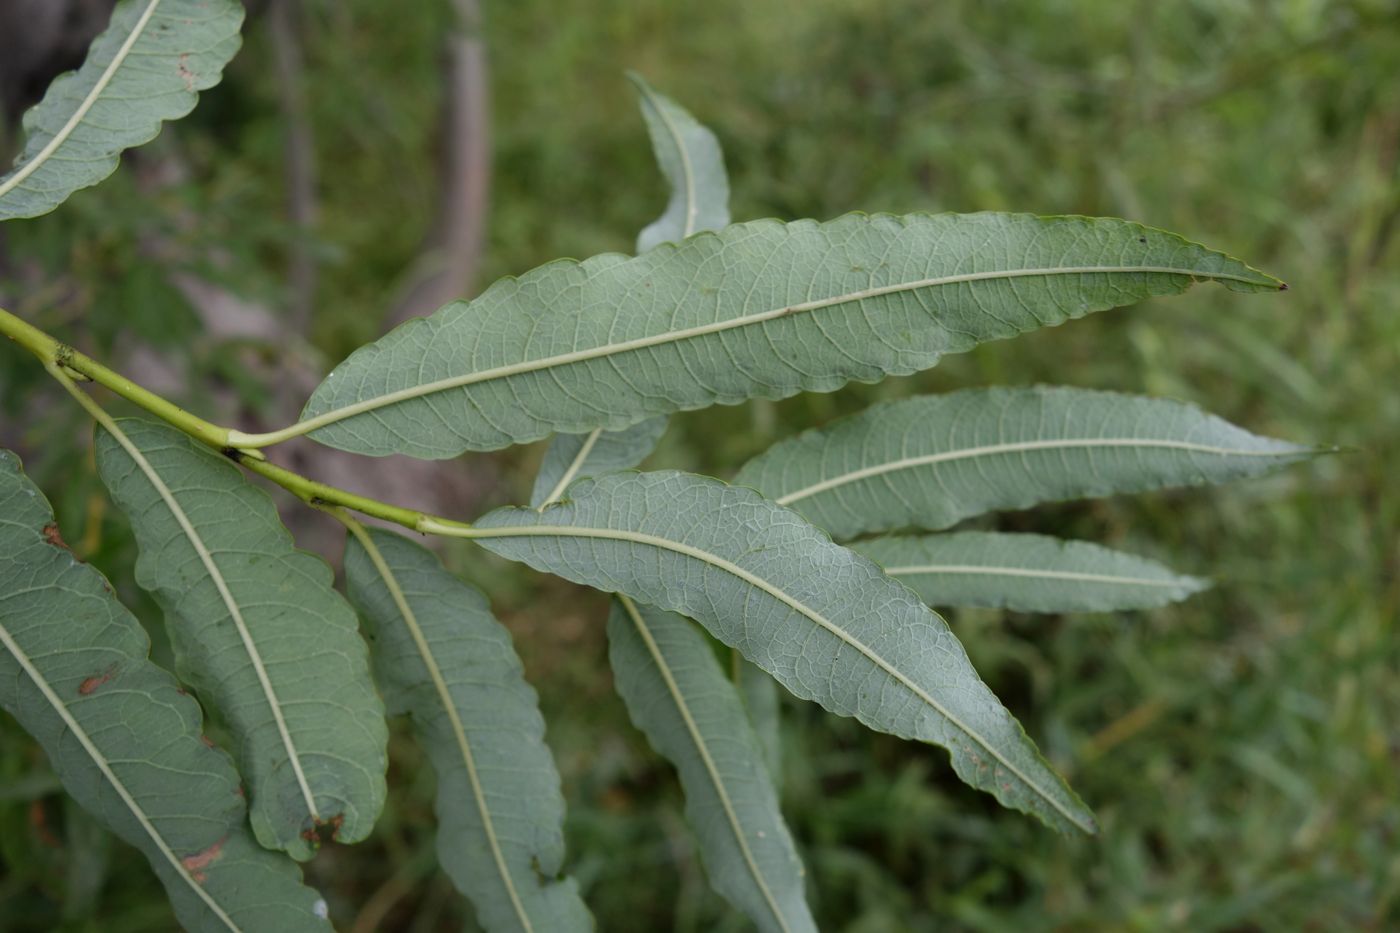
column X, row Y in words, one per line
column 930, row 462
column 572, row 457
column 826, row 622
column 677, row 694
column 147, row 67
column 124, row 739
column 1026, row 572
column 442, row 658
column 259, row 631
column 764, row 309
column 690, row 158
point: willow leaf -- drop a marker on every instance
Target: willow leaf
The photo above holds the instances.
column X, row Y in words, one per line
column 1028, row 573
column 125, row 740
column 821, row 619
column 259, row 631
column 148, row 66
column 758, row 309
column 690, row 158
column 677, row 694
column 572, row 457
column 759, row 693
column 442, row 658
column 932, row 461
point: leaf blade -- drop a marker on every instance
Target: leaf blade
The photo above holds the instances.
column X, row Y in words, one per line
column 75, row 671
column 713, row 552
column 443, row 658
column 932, row 461
column 703, row 322
column 571, row 457
column 690, row 158
column 259, row 631
column 677, row 695
column 76, row 133
column 1026, row 572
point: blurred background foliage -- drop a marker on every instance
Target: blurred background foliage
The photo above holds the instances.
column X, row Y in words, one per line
column 1242, row 750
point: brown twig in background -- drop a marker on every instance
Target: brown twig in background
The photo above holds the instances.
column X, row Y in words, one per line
column 300, row 164
column 448, row 264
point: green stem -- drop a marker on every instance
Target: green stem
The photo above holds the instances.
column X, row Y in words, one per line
column 64, row 364
column 53, row 353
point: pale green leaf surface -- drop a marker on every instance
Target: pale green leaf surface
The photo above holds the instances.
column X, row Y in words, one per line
column 259, row 631
column 759, row 693
column 678, row 695
column 932, row 461
column 763, row 309
column 826, row 622
column 690, row 158
column 1026, row 572
column 571, row 457
column 443, row 659
column 125, row 740
column 147, row 67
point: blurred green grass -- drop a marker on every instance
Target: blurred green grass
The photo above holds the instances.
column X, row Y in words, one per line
column 1241, row 750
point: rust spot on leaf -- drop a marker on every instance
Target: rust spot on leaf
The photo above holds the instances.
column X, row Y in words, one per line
column 186, row 75
column 96, row 680
column 195, row 864
column 54, row 537
column 324, row 830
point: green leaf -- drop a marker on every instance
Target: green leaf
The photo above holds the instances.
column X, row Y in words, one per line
column 932, row 461
column 759, row 309
column 690, row 158
column 677, row 694
column 149, row 66
column 572, row 457
column 1028, row 573
column 443, row 659
column 759, row 693
column 260, row 633
column 125, row 740
column 823, row 620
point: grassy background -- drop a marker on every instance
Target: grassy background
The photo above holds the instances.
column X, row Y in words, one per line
column 1241, row 750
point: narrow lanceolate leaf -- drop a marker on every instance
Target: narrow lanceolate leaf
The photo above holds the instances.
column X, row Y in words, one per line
column 690, row 158
column 443, row 659
column 1028, row 573
column 677, row 694
column 821, row 619
column 758, row 309
column 124, row 739
column 149, row 66
column 572, row 457
column 759, row 693
column 930, row 462
column 258, row 631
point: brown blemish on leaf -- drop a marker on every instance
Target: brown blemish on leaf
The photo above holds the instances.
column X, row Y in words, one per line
column 206, row 740
column 324, row 830
column 195, row 864
column 96, row 680
column 186, row 75
column 54, row 537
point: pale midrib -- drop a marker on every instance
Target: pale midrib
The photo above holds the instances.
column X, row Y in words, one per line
column 692, row 205
column 990, row 570
column 235, row 612
column 700, row 745
column 907, row 463
column 574, row 467
column 77, row 118
column 433, row 527
column 459, row 731
column 240, row 439
column 100, row 760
